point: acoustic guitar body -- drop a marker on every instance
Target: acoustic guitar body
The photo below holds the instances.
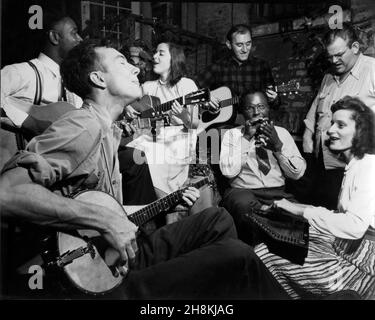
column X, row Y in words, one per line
column 146, row 103
column 226, row 111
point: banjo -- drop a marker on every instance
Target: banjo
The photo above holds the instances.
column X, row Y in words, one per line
column 80, row 255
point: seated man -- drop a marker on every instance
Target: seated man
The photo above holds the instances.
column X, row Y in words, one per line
column 257, row 157
column 197, row 257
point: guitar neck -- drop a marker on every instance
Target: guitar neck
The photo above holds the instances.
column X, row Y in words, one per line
column 229, row 102
column 166, row 106
column 152, row 210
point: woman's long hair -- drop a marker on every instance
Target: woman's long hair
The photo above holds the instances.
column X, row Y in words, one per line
column 178, row 63
column 364, row 136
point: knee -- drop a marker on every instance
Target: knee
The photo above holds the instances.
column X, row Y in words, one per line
column 242, row 253
column 240, row 203
column 221, row 218
column 218, row 213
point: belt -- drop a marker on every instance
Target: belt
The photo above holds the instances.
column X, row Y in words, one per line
column 370, row 234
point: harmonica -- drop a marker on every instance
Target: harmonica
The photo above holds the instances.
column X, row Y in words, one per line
column 259, row 121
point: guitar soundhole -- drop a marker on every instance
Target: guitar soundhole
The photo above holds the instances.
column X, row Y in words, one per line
column 208, row 116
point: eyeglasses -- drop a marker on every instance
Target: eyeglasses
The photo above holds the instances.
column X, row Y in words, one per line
column 259, row 106
column 337, row 56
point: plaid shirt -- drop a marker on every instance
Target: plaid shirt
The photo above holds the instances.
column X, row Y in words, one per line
column 253, row 75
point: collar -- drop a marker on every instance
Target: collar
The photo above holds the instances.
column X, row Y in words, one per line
column 101, row 113
column 233, row 60
column 351, row 164
column 355, row 71
column 357, row 67
column 50, row 64
column 162, row 83
column 242, row 129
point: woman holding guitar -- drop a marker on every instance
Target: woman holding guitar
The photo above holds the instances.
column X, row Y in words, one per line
column 169, row 64
column 169, row 151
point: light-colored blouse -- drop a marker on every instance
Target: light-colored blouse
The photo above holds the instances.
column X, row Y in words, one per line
column 356, row 204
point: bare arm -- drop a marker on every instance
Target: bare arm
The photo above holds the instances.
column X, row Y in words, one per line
column 292, row 207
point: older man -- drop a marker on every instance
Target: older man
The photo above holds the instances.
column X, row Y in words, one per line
column 353, row 75
column 257, row 157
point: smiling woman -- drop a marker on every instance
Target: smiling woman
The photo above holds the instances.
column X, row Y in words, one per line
column 342, row 242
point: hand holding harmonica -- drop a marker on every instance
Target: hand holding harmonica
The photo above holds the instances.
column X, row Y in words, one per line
column 267, row 136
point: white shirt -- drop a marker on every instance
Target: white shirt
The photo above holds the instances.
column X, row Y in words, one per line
column 18, row 86
column 238, row 161
column 166, row 93
column 169, row 157
column 360, row 83
column 356, row 204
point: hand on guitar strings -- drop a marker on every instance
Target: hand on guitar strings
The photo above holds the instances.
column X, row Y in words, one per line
column 213, row 106
column 190, row 195
column 131, row 113
column 177, row 108
column 121, row 235
column 127, row 128
column 271, row 93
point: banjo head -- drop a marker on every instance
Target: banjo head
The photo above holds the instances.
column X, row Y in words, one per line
column 89, row 272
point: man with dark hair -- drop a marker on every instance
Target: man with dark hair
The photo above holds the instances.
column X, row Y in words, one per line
column 38, row 81
column 257, row 157
column 352, row 74
column 18, row 81
column 240, row 70
column 197, row 257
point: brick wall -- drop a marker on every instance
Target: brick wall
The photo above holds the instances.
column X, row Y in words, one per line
column 293, row 56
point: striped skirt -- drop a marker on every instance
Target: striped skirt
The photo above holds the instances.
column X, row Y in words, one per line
column 328, row 268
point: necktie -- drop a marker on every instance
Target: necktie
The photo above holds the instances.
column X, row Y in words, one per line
column 263, row 160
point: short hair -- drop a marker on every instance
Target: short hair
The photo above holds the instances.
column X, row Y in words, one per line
column 50, row 19
column 364, row 136
column 347, row 32
column 242, row 107
column 238, row 28
column 76, row 67
column 178, row 63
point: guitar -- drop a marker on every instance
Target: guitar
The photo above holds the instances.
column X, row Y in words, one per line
column 291, row 87
column 226, row 102
column 80, row 255
column 151, row 110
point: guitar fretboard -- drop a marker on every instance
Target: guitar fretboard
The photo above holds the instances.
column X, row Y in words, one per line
column 147, row 213
column 229, row 102
column 166, row 106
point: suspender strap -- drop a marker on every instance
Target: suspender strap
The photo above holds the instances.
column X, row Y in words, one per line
column 38, row 91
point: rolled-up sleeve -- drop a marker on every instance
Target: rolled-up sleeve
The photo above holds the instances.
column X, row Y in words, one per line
column 290, row 159
column 231, row 157
column 358, row 214
column 13, row 79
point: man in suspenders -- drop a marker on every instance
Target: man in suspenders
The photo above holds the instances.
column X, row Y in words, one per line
column 38, row 81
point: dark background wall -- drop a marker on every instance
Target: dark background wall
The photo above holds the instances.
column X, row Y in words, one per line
column 293, row 55
column 18, row 41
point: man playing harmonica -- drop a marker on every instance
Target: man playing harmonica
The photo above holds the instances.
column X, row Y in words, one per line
column 257, row 157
